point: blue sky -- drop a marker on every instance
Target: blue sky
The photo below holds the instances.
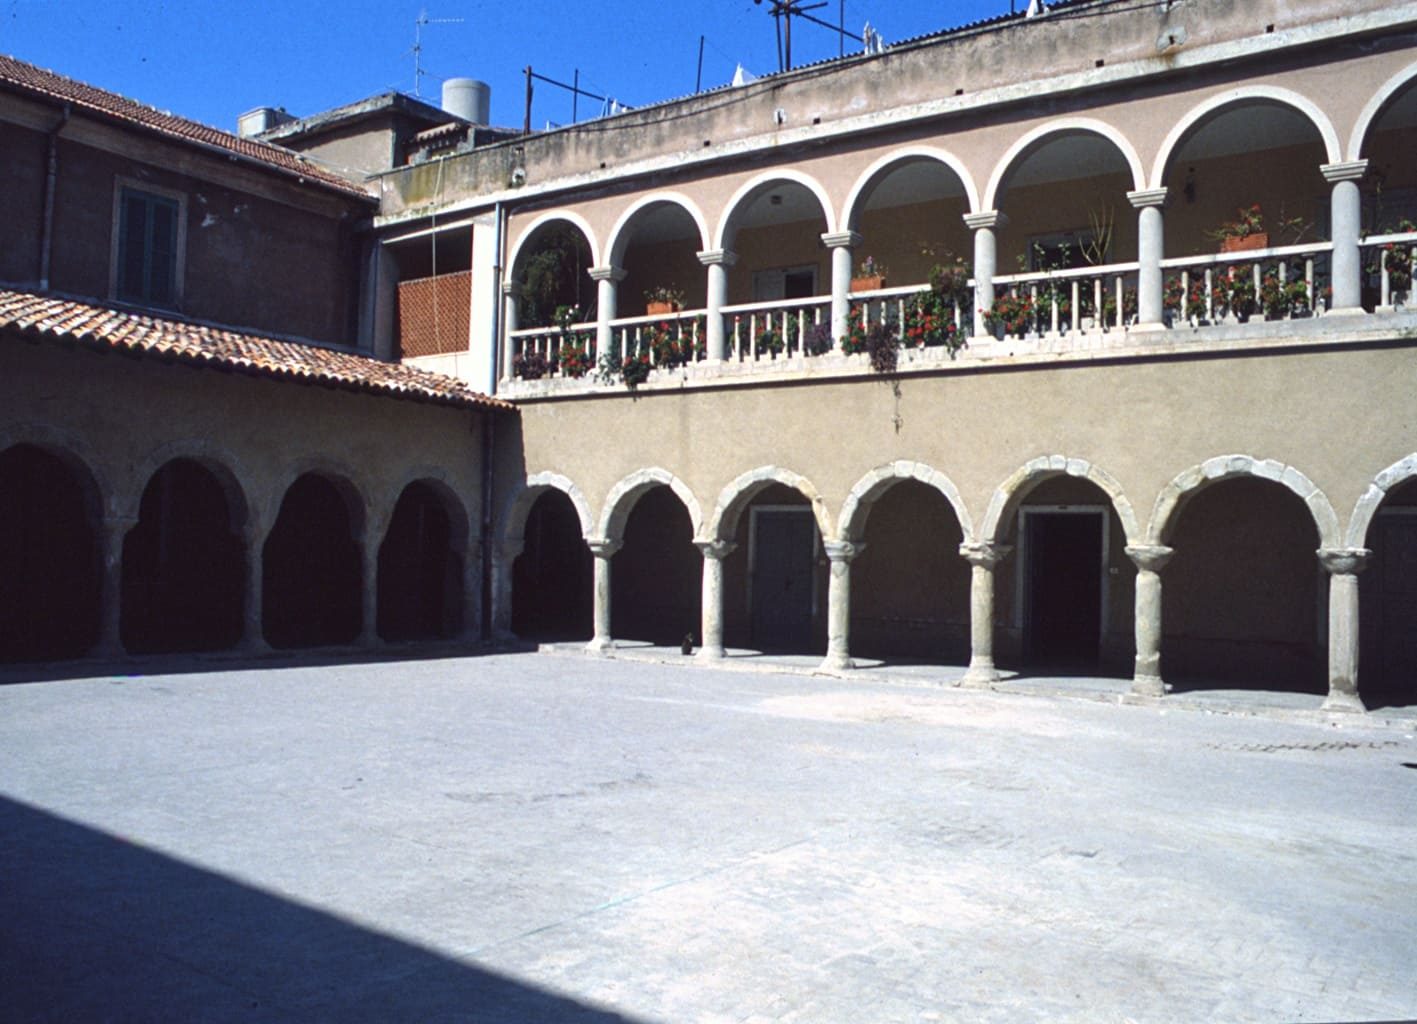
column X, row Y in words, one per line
column 212, row 61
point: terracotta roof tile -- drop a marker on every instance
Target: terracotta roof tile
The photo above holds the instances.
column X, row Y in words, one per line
column 32, row 79
column 41, row 316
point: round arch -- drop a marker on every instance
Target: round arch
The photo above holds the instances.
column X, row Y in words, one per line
column 622, row 498
column 1063, row 126
column 736, row 496
column 723, row 235
column 217, row 460
column 71, row 450
column 1225, row 467
column 1362, row 518
column 568, row 216
column 881, row 168
column 514, row 512
column 620, row 234
column 1013, row 490
column 351, row 487
column 1407, row 76
column 879, row 480
column 1238, row 97
column 436, row 478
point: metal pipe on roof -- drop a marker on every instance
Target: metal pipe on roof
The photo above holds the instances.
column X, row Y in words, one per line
column 51, row 177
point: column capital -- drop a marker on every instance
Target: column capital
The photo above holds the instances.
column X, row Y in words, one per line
column 717, row 257
column 616, row 274
column 1344, row 561
column 984, row 554
column 1149, row 557
column 985, row 219
column 718, row 550
column 603, row 547
column 1144, row 197
column 843, row 550
column 1349, row 170
column 512, row 289
column 842, row 239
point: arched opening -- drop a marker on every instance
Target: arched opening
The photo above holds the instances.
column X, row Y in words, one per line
column 775, row 580
column 184, row 565
column 1390, row 197
column 776, row 230
column 421, row 568
column 312, row 572
column 658, row 250
column 1243, row 594
column 553, row 577
column 49, row 558
column 910, row 216
column 552, row 267
column 910, row 587
column 656, row 579
column 1068, row 597
column 1387, row 589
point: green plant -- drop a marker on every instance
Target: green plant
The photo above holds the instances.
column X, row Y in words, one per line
column 883, row 346
column 770, row 342
column 666, row 293
column 871, row 267
column 1395, row 256
column 1234, row 293
column 553, row 276
column 634, row 369
column 818, row 339
column 575, row 357
column 1015, row 313
column 1186, row 304
column 530, row 365
column 855, row 340
column 1102, row 221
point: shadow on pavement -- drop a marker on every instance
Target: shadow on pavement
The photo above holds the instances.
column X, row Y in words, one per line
column 94, row 928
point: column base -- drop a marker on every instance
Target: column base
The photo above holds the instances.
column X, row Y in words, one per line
column 1342, row 700
column 1149, row 686
column 710, row 654
column 600, row 645
column 1346, row 311
column 836, row 663
column 980, row 676
column 1156, row 328
column 254, row 645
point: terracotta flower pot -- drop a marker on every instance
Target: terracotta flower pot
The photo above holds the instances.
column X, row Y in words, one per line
column 661, row 308
column 1245, row 243
column 868, row 284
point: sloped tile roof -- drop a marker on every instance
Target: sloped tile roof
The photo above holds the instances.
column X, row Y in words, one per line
column 29, row 78
column 38, row 316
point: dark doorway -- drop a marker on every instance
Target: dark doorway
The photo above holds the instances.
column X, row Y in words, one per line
column 784, row 542
column 552, row 579
column 312, row 571
column 1063, row 613
column 184, row 566
column 656, row 579
column 420, row 575
column 49, row 561
column 1388, row 619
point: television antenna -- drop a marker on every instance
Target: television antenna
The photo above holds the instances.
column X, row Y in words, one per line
column 783, row 11
column 419, row 22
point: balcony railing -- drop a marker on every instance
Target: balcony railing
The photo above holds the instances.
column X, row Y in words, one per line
column 756, row 331
column 1388, row 260
column 1081, row 300
column 1286, row 282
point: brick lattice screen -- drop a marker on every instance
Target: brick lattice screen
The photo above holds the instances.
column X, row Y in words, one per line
column 434, row 314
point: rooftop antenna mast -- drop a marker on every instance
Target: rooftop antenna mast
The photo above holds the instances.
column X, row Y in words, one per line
column 418, row 24
column 783, row 11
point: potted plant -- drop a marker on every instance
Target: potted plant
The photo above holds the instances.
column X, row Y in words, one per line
column 771, row 343
column 818, row 340
column 883, row 346
column 870, row 276
column 662, row 300
column 574, row 357
column 634, row 369
column 1234, row 293
column 530, row 365
column 1396, row 258
column 1244, row 233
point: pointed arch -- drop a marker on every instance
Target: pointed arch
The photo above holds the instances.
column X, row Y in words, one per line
column 1225, row 467
column 1237, row 97
column 736, row 496
column 723, row 234
column 1012, row 491
column 623, row 495
column 1063, row 126
column 881, row 168
column 873, row 485
column 619, row 236
column 568, row 216
column 1407, row 76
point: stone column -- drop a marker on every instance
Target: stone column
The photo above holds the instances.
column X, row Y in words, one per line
column 1151, row 247
column 607, row 281
column 717, row 261
column 471, row 631
column 511, row 314
column 841, row 244
column 714, row 552
column 253, row 626
column 502, row 565
column 1343, row 565
column 985, row 258
column 1346, row 216
column 110, row 638
column 369, row 582
column 983, row 557
column 841, row 554
column 1149, row 559
column 603, row 550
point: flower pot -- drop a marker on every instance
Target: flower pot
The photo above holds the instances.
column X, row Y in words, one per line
column 661, row 308
column 1245, row 243
column 868, row 284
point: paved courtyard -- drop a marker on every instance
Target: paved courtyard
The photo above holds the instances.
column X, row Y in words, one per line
column 550, row 838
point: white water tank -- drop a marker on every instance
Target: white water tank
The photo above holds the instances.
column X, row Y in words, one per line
column 468, row 99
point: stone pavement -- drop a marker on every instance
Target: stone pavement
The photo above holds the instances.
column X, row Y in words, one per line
column 546, row 837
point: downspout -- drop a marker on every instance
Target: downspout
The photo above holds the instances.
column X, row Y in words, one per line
column 51, row 177
column 488, row 430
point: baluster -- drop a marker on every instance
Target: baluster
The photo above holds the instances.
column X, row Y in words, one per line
column 1282, row 274
column 1075, row 319
column 1098, row 316
column 1053, row 303
column 1210, row 294
column 1185, row 296
column 1309, row 285
column 1256, row 275
column 1121, row 297
column 1384, row 278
